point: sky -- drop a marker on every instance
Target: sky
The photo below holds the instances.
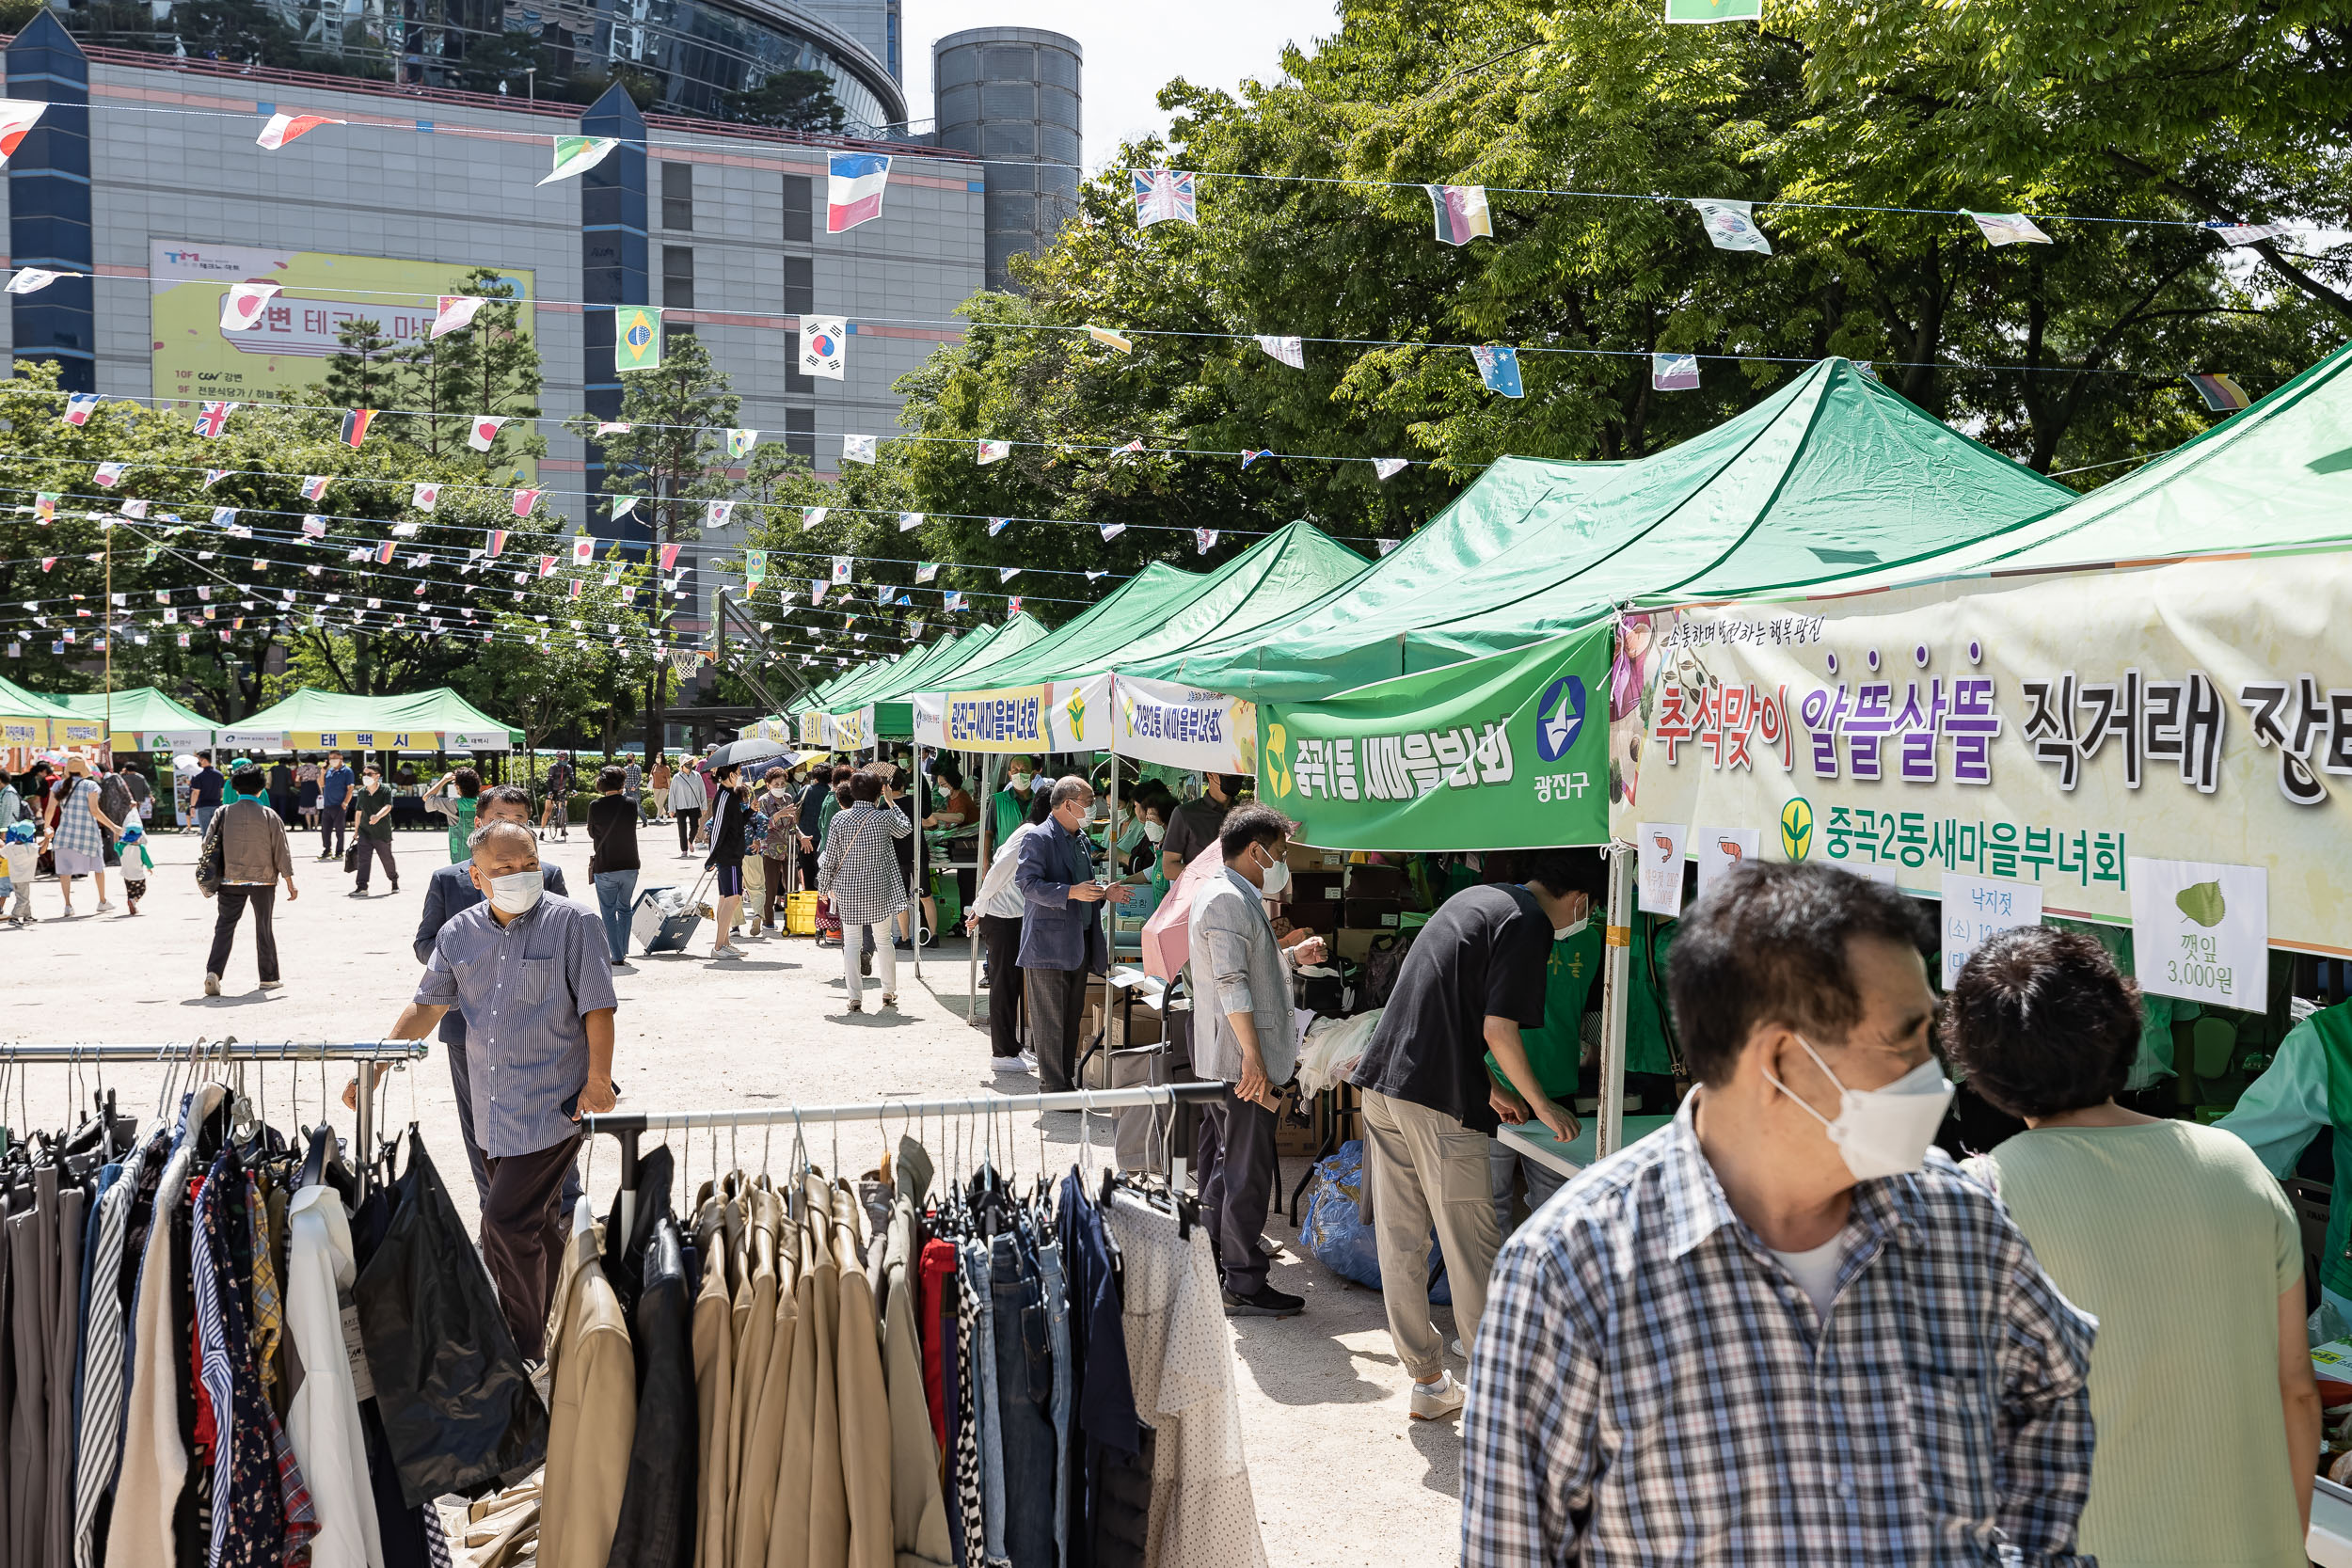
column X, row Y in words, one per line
column 1132, row 49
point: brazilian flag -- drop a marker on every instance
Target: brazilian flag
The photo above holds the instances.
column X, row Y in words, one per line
column 636, row 337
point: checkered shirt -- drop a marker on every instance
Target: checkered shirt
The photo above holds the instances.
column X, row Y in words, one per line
column 1649, row 1386
column 77, row 830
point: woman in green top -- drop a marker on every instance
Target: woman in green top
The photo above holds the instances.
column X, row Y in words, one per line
column 458, row 807
column 2175, row 1237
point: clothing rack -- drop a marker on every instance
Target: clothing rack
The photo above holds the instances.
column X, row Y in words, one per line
column 630, row 1126
column 366, row 1057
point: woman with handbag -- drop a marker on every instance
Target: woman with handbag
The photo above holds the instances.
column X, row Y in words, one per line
column 859, row 871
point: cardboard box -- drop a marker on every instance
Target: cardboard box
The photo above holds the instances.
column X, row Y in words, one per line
column 1304, row 857
column 1312, row 886
column 1374, row 914
column 1314, row 914
column 1355, row 946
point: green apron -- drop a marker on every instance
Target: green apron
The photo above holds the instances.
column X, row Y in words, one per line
column 2334, row 1028
column 1552, row 1048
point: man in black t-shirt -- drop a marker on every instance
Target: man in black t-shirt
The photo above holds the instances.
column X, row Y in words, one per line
column 1196, row 823
column 1472, row 980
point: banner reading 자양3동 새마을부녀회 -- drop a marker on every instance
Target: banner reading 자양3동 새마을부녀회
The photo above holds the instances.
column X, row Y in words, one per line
column 2045, row 729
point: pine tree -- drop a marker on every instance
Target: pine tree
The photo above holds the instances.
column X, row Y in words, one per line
column 670, row 456
column 366, row 373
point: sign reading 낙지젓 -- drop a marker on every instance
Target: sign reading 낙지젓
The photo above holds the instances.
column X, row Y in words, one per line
column 2052, row 731
column 1501, row 753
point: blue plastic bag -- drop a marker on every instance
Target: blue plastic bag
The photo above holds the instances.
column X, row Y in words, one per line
column 1333, row 1228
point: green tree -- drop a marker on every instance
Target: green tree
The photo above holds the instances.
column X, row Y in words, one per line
column 555, row 660
column 671, row 458
column 364, row 372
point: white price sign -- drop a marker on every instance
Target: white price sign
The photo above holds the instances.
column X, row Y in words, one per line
column 1659, row 855
column 1718, row 849
column 1976, row 909
column 2202, row 931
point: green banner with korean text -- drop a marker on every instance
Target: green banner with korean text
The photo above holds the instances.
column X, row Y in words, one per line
column 1503, row 753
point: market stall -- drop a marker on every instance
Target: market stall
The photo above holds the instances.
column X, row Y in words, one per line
column 315, row 720
column 2133, row 714
column 140, row 719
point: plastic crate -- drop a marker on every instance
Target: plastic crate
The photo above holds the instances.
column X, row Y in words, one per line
column 799, row 914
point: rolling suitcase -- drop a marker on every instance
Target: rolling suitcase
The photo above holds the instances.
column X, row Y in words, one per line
column 664, row 918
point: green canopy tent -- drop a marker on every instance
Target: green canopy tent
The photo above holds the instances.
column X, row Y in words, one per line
column 887, row 694
column 1831, row 475
column 27, row 721
column 141, row 719
column 315, row 720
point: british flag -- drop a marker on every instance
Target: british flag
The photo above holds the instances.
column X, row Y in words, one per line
column 214, row 419
column 1162, row 193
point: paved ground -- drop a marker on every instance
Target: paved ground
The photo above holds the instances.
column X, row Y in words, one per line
column 1341, row 1476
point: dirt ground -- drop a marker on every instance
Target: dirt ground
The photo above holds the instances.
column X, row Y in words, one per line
column 1340, row 1475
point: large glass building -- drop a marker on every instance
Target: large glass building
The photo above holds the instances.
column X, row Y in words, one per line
column 839, row 59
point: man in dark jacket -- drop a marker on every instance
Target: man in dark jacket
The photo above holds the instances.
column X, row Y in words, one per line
column 448, row 894
column 1061, row 930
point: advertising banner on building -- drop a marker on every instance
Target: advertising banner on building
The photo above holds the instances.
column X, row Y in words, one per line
column 2053, row 731
column 282, row 352
column 1053, row 716
column 1184, row 726
column 1504, row 752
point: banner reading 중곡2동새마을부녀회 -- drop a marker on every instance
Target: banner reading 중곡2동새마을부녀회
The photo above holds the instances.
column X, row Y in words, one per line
column 2048, row 729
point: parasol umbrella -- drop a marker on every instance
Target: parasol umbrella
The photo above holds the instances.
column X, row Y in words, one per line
column 743, row 754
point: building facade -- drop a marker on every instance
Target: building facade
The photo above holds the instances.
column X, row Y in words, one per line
column 144, row 178
column 1010, row 96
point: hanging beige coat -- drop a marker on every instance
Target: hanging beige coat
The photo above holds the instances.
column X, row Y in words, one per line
column 865, row 1401
column 592, row 1415
column 714, row 1382
column 763, row 1439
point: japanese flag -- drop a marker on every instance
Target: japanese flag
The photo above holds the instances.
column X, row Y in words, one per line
column 424, row 498
column 241, row 307
column 486, row 431
column 584, row 550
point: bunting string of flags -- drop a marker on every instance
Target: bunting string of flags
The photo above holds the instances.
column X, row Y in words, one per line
column 283, row 128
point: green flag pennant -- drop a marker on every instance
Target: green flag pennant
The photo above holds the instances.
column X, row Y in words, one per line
column 1509, row 752
column 1714, row 10
column 636, row 337
column 579, row 154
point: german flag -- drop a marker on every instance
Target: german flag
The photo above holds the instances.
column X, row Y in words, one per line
column 355, row 424
column 2222, row 394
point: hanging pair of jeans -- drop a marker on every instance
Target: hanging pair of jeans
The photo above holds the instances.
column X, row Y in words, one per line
column 1024, row 1392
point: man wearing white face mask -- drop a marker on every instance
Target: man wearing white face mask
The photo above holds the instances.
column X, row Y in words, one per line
column 533, row 977
column 1784, row 1330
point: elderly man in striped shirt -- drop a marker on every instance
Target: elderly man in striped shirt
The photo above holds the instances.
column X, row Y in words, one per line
column 532, row 976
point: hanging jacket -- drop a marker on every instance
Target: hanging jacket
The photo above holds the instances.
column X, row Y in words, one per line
column 656, row 1526
column 918, row 1510
column 714, row 1381
column 591, row 1413
column 323, row 1418
column 154, row 1462
column 865, row 1401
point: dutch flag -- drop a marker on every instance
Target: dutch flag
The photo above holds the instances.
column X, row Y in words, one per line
column 853, row 193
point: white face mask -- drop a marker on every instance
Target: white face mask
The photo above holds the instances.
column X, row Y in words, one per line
column 517, row 894
column 1883, row 1132
column 1155, row 830
column 1021, row 781
column 1277, row 878
column 1562, row 933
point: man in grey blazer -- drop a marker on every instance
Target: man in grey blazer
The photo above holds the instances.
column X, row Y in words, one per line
column 1244, row 1033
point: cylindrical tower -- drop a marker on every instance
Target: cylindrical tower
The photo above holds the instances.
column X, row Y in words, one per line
column 1010, row 94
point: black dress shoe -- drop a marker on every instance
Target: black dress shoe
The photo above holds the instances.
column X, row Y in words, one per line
column 1266, row 1302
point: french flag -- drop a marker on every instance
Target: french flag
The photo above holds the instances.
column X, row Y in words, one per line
column 854, row 191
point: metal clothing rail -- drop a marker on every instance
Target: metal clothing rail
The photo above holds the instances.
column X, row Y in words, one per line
column 365, row 1056
column 630, row 1126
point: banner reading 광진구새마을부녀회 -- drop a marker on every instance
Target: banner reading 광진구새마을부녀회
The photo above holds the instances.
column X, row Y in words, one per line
column 2046, row 729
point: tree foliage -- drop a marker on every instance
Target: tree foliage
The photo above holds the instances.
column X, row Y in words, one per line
column 2138, row 119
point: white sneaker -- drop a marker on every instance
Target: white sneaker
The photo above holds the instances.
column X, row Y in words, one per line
column 1434, row 1401
column 212, row 985
column 1028, row 1063
column 104, row 907
column 1459, row 1351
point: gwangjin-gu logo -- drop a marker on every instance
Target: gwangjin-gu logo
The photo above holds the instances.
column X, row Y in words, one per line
column 1559, row 717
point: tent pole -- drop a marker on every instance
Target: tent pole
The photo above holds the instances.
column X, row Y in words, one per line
column 988, row 817
column 915, row 916
column 1616, row 974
